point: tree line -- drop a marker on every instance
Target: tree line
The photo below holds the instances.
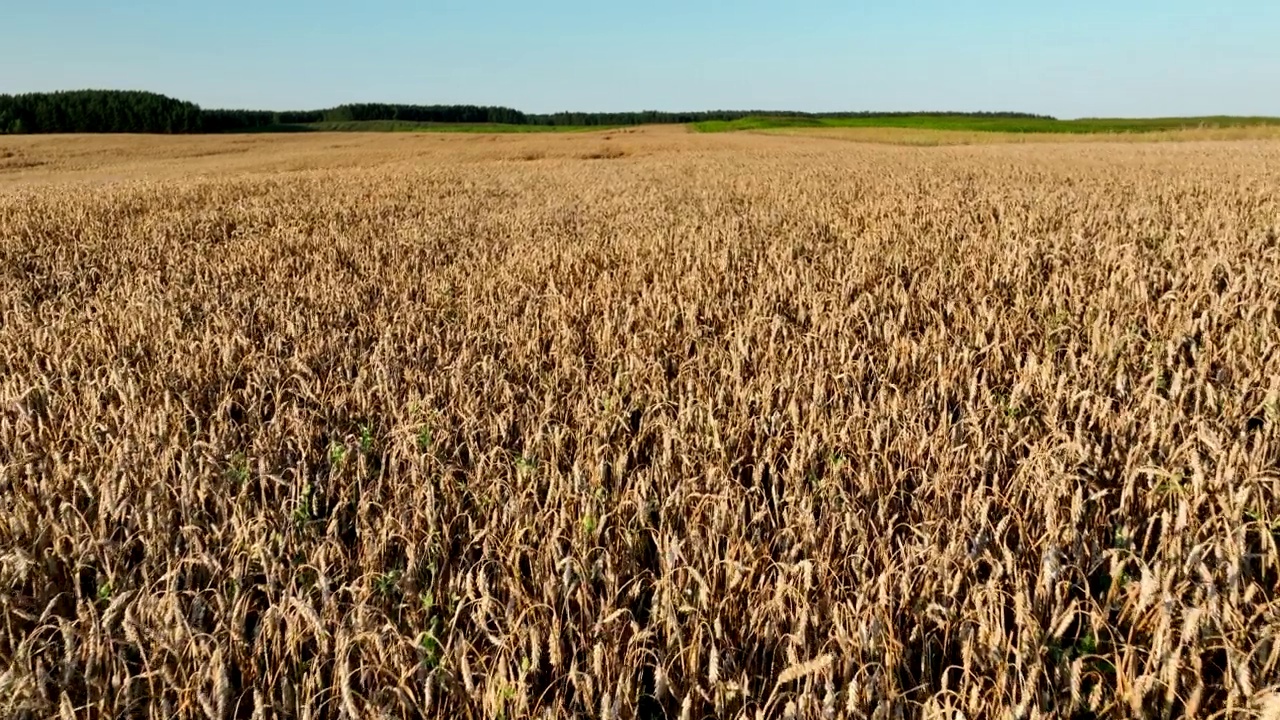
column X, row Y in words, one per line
column 129, row 111
column 242, row 120
column 96, row 111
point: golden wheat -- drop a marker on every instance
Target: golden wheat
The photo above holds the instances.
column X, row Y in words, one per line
column 647, row 425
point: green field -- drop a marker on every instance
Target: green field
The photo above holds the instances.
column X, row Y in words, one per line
column 984, row 124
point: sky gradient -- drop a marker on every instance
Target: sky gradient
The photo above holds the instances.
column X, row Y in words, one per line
column 1123, row 58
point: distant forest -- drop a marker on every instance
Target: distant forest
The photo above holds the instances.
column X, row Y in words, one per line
column 128, row 111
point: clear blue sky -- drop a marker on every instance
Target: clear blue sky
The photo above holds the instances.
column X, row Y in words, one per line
column 1071, row 59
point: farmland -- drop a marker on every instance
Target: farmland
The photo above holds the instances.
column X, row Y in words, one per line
column 408, row 126
column 637, row 424
column 963, row 123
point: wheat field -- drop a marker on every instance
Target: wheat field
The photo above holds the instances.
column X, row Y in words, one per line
column 930, row 137
column 636, row 425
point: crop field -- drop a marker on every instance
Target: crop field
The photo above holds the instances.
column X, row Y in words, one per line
column 935, row 137
column 962, row 123
column 407, row 126
column 638, row 424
